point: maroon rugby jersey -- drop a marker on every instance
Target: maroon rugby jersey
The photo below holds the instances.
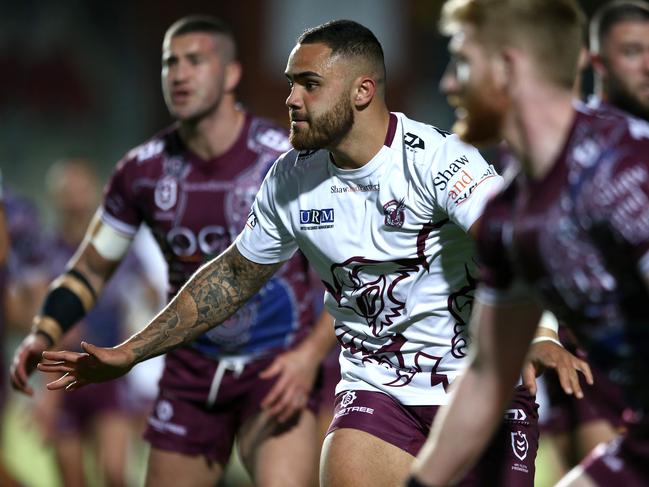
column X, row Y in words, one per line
column 195, row 209
column 579, row 239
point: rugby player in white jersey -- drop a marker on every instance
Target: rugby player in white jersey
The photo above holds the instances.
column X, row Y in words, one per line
column 381, row 206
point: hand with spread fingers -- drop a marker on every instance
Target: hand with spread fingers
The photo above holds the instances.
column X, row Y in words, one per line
column 296, row 372
column 550, row 354
column 96, row 364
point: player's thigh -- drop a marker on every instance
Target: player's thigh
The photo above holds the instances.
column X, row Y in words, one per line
column 281, row 455
column 171, row 469
column 69, row 450
column 354, row 457
column 113, row 435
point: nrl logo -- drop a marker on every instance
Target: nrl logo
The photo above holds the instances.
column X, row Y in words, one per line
column 348, row 398
column 166, row 193
column 520, row 445
column 395, row 214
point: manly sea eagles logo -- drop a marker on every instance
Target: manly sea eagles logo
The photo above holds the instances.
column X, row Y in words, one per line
column 166, row 193
column 520, row 445
column 394, row 213
column 348, row 398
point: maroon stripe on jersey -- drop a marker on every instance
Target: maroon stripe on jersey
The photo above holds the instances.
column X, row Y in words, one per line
column 392, row 129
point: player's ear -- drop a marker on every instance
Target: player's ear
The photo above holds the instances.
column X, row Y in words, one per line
column 503, row 67
column 364, row 91
column 232, row 76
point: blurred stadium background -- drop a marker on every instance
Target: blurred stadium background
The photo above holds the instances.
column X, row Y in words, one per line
column 81, row 78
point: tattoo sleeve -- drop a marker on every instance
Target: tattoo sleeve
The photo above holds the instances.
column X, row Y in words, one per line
column 213, row 294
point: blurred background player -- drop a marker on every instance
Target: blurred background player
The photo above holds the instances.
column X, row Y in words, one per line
column 193, row 184
column 569, row 233
column 619, row 53
column 101, row 419
column 619, row 44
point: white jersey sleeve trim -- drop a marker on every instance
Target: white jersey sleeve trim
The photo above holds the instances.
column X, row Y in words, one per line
column 254, row 257
column 124, row 228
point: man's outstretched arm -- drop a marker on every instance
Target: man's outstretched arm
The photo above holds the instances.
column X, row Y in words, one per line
column 462, row 430
column 213, row 294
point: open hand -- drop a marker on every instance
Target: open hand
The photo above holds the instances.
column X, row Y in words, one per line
column 96, row 364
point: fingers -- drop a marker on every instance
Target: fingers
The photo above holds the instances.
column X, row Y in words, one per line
column 584, row 368
column 529, row 378
column 272, row 370
column 64, row 356
column 65, row 382
column 55, row 367
column 569, row 378
column 275, row 394
column 19, row 375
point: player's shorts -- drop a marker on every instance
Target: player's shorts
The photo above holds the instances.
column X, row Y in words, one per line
column 604, row 400
column 623, row 461
column 329, row 380
column 509, row 458
column 202, row 403
column 81, row 407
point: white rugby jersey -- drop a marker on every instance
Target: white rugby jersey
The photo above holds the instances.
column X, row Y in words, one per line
column 389, row 242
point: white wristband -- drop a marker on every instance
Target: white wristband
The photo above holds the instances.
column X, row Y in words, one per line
column 549, row 321
column 546, row 339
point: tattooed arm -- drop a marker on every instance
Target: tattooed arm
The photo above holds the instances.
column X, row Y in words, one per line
column 213, row 294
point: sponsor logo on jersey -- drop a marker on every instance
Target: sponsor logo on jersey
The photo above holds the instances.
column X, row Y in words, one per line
column 441, row 132
column 442, row 178
column 166, row 193
column 413, row 141
column 520, row 446
column 464, row 187
column 274, row 139
column 251, row 221
column 360, row 188
column 148, row 150
column 515, row 415
column 395, row 214
column 318, row 219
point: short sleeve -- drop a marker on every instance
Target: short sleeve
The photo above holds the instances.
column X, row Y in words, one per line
column 119, row 207
column 265, row 238
column 499, row 282
column 463, row 181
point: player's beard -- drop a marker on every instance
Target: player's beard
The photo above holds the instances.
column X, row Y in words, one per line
column 327, row 129
column 480, row 115
column 622, row 96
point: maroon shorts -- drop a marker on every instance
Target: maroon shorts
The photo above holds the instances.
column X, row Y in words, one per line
column 623, row 461
column 509, row 459
column 188, row 418
column 81, row 407
column 329, row 380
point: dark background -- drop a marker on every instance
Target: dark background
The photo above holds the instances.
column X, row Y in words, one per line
column 82, row 77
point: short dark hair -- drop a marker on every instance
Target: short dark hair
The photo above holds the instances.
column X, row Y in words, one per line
column 204, row 24
column 347, row 38
column 610, row 14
